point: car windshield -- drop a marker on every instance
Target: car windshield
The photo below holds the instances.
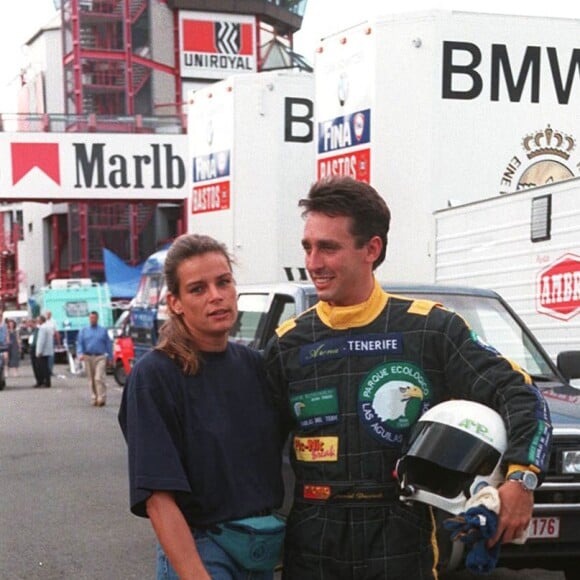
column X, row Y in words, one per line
column 149, row 290
column 497, row 328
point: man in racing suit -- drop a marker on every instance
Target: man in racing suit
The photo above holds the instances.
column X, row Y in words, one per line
column 352, row 376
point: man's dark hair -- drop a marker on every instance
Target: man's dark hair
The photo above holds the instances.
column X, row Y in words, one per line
column 344, row 196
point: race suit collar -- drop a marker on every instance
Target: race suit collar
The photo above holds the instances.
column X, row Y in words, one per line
column 342, row 317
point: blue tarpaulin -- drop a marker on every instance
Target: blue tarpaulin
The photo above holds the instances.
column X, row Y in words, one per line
column 122, row 279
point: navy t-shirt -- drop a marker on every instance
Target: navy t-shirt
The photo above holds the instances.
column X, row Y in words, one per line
column 214, row 438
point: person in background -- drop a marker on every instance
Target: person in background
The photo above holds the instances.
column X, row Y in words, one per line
column 203, row 437
column 32, row 339
column 94, row 349
column 56, row 337
column 14, row 347
column 354, row 374
column 44, row 345
column 3, row 339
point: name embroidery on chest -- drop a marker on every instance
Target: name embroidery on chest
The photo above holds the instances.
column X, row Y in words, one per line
column 363, row 345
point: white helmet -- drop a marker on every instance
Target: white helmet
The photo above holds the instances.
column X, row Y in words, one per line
column 455, row 449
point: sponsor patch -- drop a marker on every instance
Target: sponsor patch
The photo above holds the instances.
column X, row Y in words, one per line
column 363, row 345
column 391, row 399
column 480, row 342
column 316, row 448
column 316, row 408
column 317, row 491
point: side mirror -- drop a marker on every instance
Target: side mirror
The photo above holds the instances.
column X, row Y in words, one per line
column 568, row 363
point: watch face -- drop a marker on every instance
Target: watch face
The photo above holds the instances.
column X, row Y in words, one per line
column 530, row 480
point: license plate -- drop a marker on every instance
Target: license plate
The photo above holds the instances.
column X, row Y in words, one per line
column 548, row 527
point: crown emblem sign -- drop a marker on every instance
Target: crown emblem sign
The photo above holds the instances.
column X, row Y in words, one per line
column 548, row 142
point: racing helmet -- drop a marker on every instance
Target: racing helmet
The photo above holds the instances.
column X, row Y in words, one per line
column 455, row 449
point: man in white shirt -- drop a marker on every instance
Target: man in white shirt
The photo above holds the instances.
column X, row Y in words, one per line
column 51, row 324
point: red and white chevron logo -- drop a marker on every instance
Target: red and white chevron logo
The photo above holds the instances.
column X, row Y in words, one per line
column 27, row 156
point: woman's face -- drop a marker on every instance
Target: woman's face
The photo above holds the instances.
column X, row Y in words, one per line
column 207, row 299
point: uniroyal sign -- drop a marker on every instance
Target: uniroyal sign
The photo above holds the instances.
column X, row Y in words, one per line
column 558, row 288
column 51, row 166
column 213, row 46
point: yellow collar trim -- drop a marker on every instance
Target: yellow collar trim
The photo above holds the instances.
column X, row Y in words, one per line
column 343, row 317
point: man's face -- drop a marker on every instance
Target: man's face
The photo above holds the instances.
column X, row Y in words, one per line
column 93, row 319
column 341, row 272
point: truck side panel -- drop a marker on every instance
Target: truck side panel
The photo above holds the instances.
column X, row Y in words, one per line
column 489, row 244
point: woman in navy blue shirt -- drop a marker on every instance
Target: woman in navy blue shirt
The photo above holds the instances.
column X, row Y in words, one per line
column 203, row 437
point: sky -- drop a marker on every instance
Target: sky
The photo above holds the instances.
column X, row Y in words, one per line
column 323, row 17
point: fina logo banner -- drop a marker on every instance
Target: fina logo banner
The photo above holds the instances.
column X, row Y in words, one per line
column 214, row 46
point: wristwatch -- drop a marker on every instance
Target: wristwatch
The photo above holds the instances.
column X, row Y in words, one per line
column 528, row 479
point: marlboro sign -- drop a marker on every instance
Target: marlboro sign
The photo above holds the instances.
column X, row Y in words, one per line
column 558, row 288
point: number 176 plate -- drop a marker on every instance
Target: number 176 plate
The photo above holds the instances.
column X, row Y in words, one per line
column 544, row 527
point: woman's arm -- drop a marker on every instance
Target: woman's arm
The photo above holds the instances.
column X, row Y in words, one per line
column 175, row 536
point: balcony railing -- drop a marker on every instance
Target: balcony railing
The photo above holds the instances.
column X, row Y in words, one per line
column 34, row 123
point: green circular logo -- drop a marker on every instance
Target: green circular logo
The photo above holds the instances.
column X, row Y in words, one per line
column 391, row 398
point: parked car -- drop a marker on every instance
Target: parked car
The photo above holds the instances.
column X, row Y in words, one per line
column 553, row 532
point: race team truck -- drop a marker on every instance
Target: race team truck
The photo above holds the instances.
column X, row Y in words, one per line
column 440, row 108
column 148, row 309
column 252, row 159
column 526, row 246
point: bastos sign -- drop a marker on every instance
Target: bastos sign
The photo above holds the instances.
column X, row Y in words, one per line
column 558, row 288
column 61, row 166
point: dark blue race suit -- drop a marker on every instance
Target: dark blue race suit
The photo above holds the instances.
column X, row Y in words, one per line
column 352, row 381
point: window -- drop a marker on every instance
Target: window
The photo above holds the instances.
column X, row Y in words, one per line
column 252, row 311
column 541, row 219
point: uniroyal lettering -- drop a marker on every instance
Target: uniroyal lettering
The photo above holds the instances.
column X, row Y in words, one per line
column 218, row 61
column 462, row 79
column 160, row 168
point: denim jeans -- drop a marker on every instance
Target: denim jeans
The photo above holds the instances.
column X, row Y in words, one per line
column 218, row 563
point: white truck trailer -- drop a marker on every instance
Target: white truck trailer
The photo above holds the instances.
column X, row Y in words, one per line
column 440, row 108
column 526, row 246
column 252, row 158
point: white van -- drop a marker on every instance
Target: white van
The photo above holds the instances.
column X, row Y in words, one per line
column 18, row 316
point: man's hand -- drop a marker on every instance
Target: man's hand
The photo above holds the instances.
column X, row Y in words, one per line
column 515, row 512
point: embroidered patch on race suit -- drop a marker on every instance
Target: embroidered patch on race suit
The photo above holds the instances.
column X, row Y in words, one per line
column 316, row 408
column 358, row 345
column 480, row 342
column 316, row 448
column 316, row 491
column 391, row 399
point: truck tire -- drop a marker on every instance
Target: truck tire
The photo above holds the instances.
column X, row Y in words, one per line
column 119, row 374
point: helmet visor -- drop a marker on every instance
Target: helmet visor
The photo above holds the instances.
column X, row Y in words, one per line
column 453, row 449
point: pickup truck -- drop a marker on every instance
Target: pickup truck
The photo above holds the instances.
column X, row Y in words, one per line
column 553, row 532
